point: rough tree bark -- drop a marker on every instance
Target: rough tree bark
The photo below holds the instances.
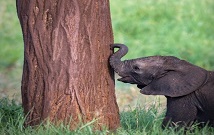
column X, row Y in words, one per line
column 66, row 72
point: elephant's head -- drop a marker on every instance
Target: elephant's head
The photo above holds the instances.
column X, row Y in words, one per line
column 158, row 75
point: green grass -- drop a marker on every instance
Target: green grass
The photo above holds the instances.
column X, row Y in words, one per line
column 181, row 28
column 140, row 120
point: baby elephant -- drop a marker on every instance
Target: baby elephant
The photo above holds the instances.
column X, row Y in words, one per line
column 189, row 89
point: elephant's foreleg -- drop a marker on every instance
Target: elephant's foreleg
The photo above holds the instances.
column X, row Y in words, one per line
column 181, row 112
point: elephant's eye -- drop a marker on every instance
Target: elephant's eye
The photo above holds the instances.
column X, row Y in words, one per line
column 136, row 68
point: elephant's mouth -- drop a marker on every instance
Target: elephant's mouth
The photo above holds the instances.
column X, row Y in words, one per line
column 144, row 83
column 132, row 80
column 141, row 86
column 128, row 79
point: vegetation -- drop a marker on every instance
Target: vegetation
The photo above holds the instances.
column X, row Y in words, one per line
column 165, row 27
column 137, row 121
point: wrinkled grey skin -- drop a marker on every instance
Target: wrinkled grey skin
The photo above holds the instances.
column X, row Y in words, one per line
column 189, row 89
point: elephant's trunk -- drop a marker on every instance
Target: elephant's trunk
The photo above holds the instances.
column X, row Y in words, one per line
column 115, row 59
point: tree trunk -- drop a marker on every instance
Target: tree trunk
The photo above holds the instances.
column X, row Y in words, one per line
column 66, row 73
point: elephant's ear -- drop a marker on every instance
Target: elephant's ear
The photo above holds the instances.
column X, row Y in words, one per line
column 177, row 83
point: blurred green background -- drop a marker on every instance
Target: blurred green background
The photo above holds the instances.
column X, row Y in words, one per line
column 184, row 29
column 11, row 51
